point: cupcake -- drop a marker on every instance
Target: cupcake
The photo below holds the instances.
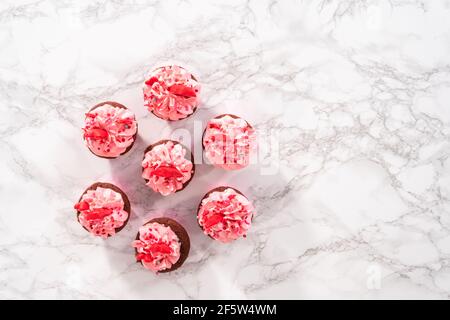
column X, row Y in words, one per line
column 225, row 214
column 228, row 141
column 103, row 209
column 162, row 245
column 166, row 167
column 110, row 129
column 171, row 93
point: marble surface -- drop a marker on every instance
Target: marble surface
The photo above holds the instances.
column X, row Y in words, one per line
column 351, row 101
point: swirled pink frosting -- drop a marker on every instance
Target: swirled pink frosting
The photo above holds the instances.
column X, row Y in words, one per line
column 225, row 215
column 166, row 169
column 228, row 142
column 109, row 130
column 171, row 93
column 158, row 247
column 101, row 211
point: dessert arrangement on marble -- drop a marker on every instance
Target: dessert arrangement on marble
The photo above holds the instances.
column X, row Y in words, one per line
column 350, row 100
column 224, row 213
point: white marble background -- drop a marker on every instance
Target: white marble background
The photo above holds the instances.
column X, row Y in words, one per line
column 354, row 94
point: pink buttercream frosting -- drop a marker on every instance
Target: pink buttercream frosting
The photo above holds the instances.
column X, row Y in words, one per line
column 225, row 215
column 101, row 211
column 171, row 93
column 228, row 142
column 109, row 130
column 158, row 247
column 166, row 168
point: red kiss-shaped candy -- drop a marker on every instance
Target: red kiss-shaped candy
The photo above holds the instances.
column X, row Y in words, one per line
column 166, row 172
column 97, row 214
column 144, row 257
column 96, row 134
column 160, row 248
column 180, row 90
column 151, row 81
column 214, row 126
column 83, row 205
column 213, row 220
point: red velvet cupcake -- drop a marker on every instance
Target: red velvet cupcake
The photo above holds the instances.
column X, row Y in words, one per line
column 171, row 93
column 228, row 142
column 103, row 209
column 162, row 245
column 110, row 129
column 225, row 214
column 167, row 167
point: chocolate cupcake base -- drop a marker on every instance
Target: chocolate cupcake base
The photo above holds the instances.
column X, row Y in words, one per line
column 106, row 185
column 121, row 106
column 150, row 147
column 218, row 117
column 182, row 235
column 218, row 189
